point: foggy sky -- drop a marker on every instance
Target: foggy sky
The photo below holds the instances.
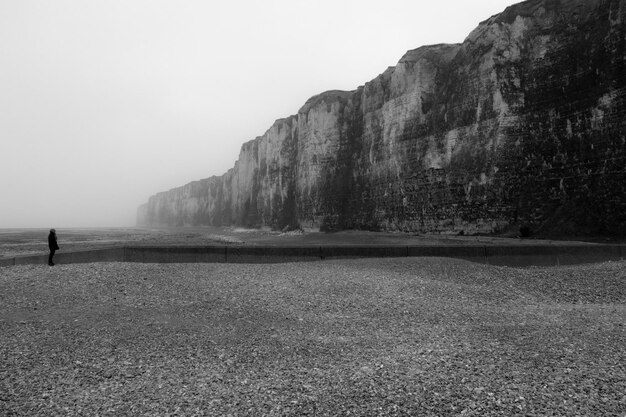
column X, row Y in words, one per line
column 106, row 102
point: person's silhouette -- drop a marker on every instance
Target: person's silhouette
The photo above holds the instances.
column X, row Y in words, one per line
column 52, row 244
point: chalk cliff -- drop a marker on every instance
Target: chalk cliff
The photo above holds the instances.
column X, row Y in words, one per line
column 522, row 123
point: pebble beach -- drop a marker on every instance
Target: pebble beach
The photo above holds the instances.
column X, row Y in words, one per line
column 410, row 336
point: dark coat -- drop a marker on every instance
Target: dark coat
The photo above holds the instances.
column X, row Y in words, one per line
column 52, row 241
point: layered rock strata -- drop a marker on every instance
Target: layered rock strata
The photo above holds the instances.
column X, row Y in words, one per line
column 522, row 123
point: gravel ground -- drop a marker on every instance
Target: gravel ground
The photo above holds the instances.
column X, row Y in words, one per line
column 17, row 242
column 410, row 336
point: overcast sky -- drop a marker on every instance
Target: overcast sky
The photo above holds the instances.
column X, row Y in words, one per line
column 106, row 102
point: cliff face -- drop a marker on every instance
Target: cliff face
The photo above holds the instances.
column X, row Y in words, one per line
column 522, row 123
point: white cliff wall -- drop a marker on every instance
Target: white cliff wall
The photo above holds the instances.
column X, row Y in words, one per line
column 521, row 123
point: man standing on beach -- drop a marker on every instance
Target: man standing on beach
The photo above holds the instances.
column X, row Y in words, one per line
column 52, row 244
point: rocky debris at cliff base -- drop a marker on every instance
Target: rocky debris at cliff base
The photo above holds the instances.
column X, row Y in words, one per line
column 250, row 230
column 296, row 232
column 225, row 239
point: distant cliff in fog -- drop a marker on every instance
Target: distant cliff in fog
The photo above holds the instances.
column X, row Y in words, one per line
column 522, row 123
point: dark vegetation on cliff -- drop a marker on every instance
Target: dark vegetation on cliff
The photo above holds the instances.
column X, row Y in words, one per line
column 521, row 125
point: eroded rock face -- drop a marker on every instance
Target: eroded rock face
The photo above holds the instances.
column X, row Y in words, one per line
column 522, row 123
